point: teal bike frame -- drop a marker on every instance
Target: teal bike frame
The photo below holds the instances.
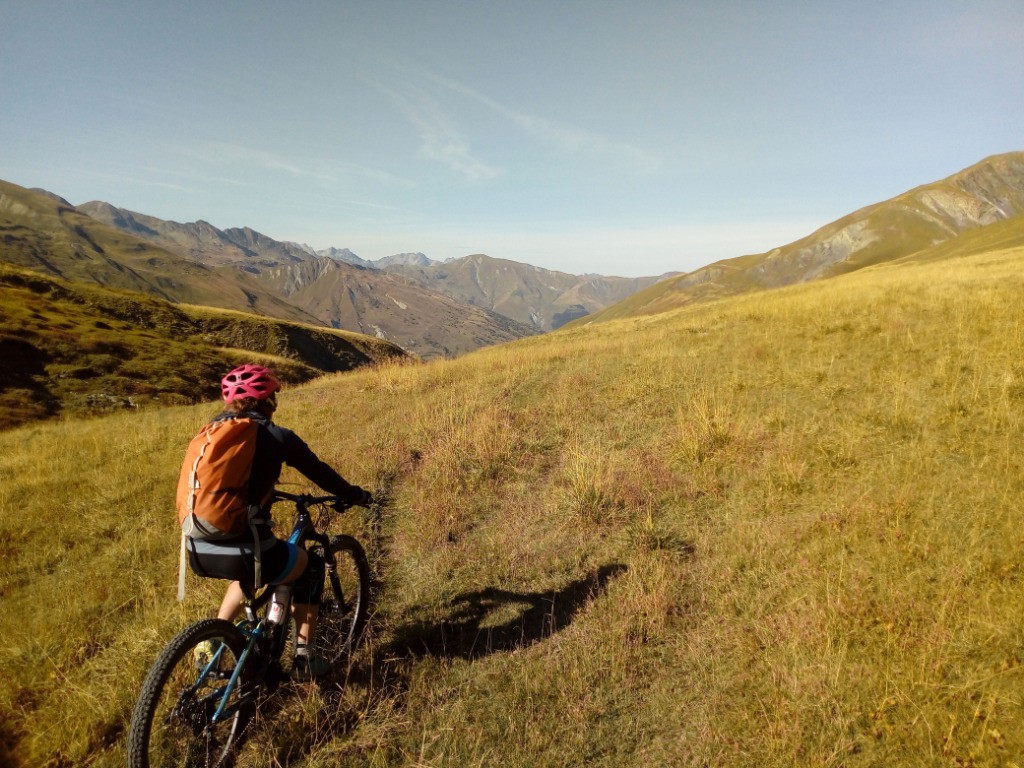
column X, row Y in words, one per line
column 256, row 630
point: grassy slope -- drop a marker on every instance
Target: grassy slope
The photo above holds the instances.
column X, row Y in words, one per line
column 781, row 529
column 74, row 348
column 941, row 212
column 1002, row 235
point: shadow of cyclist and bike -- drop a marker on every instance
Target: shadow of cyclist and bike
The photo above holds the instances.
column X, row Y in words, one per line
column 490, row 620
column 471, row 625
column 493, row 620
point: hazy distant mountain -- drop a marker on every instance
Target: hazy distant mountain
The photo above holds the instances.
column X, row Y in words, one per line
column 530, row 295
column 391, row 307
column 404, row 260
column 988, row 192
column 345, row 255
column 328, row 288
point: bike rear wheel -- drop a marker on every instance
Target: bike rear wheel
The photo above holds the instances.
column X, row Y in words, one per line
column 345, row 603
column 173, row 721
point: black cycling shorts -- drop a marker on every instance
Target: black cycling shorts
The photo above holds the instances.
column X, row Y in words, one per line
column 236, row 563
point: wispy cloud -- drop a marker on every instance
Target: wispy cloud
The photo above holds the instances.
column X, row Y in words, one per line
column 190, row 174
column 220, row 152
column 440, row 138
column 372, row 174
column 562, row 137
column 136, row 180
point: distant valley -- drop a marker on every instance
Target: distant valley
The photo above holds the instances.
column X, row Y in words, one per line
column 431, row 308
column 535, row 297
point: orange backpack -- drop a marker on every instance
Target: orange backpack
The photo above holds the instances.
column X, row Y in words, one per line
column 213, row 487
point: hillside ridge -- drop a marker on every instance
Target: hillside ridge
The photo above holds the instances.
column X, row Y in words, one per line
column 42, row 233
column 76, row 349
column 989, row 191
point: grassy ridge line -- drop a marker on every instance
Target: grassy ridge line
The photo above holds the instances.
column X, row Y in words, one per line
column 779, row 529
column 1001, row 235
column 942, row 212
column 74, row 349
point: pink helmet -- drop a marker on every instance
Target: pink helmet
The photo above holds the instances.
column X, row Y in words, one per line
column 249, row 381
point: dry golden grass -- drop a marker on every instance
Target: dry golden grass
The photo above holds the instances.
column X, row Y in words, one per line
column 782, row 529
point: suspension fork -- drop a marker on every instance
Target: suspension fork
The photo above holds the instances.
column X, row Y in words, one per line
column 330, row 565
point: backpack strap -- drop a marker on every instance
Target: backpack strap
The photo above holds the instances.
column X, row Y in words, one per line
column 193, row 481
column 181, row 568
column 187, row 527
column 257, row 558
column 257, row 518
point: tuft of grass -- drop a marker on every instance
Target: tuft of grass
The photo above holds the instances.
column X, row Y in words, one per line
column 779, row 529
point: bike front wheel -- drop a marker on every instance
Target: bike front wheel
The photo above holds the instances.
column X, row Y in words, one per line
column 187, row 714
column 346, row 601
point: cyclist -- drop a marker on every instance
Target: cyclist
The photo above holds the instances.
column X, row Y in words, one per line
column 250, row 391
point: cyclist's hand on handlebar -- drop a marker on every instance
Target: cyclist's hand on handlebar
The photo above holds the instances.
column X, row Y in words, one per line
column 363, row 499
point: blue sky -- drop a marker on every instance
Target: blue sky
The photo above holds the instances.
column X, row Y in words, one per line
column 618, row 138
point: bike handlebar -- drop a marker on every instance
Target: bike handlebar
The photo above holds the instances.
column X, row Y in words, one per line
column 305, row 500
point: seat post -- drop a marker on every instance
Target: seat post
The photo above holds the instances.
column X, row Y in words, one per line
column 248, row 598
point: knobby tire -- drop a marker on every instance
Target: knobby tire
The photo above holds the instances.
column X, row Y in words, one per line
column 171, row 721
column 346, row 601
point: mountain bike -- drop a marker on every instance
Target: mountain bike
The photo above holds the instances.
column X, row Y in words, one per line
column 202, row 691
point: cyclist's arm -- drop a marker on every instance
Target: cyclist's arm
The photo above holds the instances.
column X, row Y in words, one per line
column 299, row 455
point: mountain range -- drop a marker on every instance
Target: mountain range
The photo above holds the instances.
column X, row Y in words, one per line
column 429, row 307
column 236, row 269
column 538, row 299
column 447, row 308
